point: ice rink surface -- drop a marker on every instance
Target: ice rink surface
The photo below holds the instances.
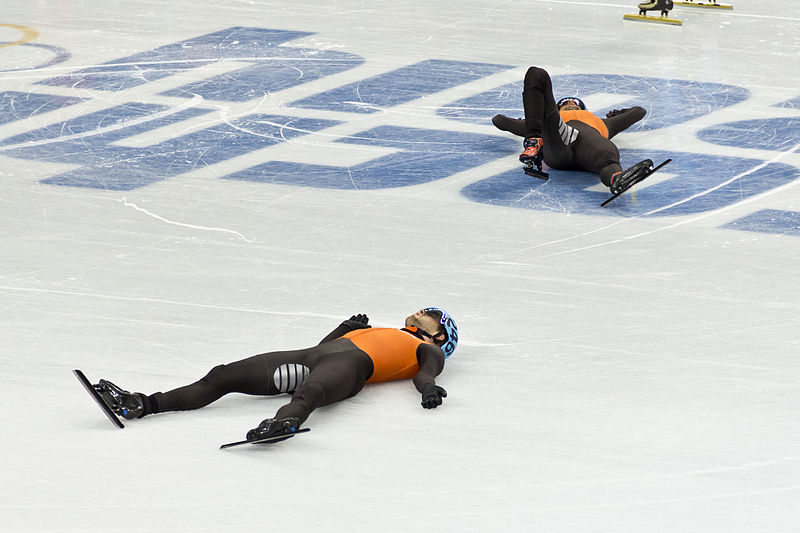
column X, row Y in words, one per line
column 186, row 184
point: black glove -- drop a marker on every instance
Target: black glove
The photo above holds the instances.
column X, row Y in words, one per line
column 432, row 396
column 615, row 112
column 363, row 319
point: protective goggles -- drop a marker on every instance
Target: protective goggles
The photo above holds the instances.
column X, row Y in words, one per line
column 571, row 100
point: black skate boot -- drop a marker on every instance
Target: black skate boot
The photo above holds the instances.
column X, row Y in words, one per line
column 665, row 6
column 125, row 404
column 273, row 428
column 624, row 178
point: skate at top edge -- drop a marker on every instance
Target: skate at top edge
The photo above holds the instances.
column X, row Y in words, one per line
column 664, row 6
column 702, row 3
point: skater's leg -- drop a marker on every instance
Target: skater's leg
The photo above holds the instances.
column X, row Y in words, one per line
column 513, row 125
column 257, row 375
column 333, row 378
column 537, row 95
column 542, row 119
column 596, row 154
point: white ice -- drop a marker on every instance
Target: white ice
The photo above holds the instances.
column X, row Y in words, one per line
column 615, row 373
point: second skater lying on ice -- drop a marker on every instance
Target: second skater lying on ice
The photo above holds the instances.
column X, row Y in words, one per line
column 566, row 136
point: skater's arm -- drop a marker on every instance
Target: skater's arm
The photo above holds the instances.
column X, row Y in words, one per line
column 619, row 120
column 431, row 363
column 353, row 323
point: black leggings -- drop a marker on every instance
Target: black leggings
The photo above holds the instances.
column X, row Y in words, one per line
column 588, row 151
column 335, row 371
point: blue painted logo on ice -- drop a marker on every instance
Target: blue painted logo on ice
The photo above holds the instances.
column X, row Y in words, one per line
column 253, row 63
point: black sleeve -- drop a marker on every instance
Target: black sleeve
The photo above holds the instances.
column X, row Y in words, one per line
column 431, row 363
column 624, row 120
column 345, row 327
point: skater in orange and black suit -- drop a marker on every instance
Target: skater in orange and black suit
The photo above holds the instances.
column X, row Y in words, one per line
column 337, row 368
column 565, row 135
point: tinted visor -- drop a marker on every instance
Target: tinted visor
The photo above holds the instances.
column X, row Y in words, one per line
column 441, row 337
column 577, row 102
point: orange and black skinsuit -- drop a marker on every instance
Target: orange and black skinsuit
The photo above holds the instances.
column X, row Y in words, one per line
column 572, row 140
column 337, row 368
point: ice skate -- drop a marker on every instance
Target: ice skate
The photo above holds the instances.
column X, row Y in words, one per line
column 624, row 178
column 665, row 6
column 662, row 6
column 713, row 4
column 121, row 402
column 532, row 157
column 272, row 427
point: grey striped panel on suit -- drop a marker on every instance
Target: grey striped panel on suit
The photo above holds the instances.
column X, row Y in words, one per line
column 290, row 376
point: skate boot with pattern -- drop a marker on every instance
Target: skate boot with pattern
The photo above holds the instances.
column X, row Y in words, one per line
column 532, row 157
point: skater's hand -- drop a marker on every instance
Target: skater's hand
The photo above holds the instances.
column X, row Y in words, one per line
column 432, row 396
column 615, row 112
column 359, row 321
column 363, row 319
